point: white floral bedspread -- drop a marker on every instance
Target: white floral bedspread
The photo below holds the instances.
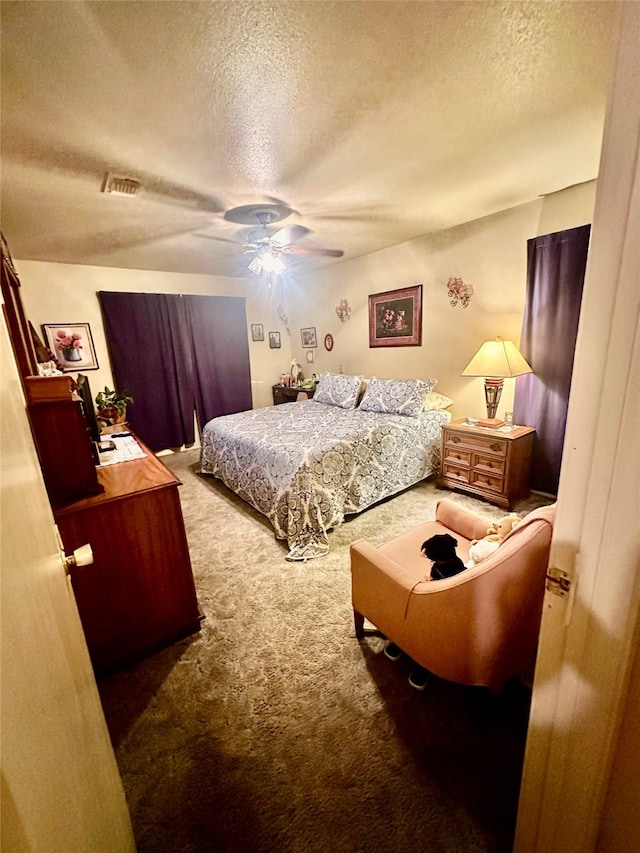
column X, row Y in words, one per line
column 306, row 465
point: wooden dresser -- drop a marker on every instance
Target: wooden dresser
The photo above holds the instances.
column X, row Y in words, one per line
column 139, row 594
column 487, row 463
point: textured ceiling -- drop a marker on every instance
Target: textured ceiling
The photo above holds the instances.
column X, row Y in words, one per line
column 377, row 122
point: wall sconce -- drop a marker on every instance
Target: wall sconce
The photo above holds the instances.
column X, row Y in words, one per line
column 343, row 310
column 496, row 360
column 458, row 291
column 283, row 318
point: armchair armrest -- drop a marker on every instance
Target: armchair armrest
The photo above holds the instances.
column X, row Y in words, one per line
column 377, row 579
column 467, row 524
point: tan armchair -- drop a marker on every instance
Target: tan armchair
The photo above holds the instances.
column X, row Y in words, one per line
column 479, row 627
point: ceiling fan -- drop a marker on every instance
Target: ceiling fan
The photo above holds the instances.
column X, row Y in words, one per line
column 266, row 246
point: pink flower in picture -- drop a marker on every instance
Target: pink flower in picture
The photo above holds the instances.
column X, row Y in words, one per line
column 69, row 344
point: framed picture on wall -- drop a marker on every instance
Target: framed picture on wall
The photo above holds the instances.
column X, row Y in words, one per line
column 257, row 332
column 309, row 337
column 395, row 318
column 274, row 340
column 72, row 345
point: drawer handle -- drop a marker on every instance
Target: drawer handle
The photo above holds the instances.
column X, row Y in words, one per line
column 455, row 439
column 495, row 447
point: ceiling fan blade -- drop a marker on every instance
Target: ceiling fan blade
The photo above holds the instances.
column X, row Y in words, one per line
column 307, row 250
column 288, row 234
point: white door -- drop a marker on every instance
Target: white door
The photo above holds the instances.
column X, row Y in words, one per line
column 587, row 641
column 61, row 789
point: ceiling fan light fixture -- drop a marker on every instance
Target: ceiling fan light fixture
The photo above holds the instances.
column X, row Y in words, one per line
column 272, row 263
column 256, row 265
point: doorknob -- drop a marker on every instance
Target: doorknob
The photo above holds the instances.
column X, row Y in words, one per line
column 82, row 556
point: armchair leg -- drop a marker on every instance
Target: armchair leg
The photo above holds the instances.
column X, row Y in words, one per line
column 358, row 619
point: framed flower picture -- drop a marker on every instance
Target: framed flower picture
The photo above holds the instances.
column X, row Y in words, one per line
column 257, row 332
column 274, row 340
column 395, row 318
column 72, row 345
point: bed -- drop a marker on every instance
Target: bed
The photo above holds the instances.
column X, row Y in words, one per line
column 308, row 464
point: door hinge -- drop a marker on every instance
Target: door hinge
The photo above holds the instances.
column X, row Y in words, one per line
column 558, row 582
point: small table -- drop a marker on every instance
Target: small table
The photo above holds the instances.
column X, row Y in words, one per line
column 487, row 463
column 286, row 394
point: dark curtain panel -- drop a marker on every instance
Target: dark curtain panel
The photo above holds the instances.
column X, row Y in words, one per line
column 555, row 275
column 220, row 355
column 149, row 344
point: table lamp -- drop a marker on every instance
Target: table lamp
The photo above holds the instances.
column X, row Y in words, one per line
column 496, row 360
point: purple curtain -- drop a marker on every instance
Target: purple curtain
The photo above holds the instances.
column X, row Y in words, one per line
column 154, row 341
column 556, row 266
column 222, row 373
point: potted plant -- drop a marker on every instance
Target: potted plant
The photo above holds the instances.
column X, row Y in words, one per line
column 112, row 406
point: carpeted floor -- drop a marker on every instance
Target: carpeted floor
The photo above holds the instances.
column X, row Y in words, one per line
column 274, row 731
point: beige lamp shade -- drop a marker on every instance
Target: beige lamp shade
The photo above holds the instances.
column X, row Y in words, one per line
column 497, row 358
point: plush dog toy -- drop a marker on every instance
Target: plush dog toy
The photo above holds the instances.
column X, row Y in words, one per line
column 441, row 548
column 480, row 549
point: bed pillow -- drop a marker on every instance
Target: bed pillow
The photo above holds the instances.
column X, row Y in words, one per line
column 337, row 389
column 435, row 402
column 396, row 396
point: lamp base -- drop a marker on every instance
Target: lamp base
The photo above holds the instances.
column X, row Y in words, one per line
column 491, row 423
column 492, row 392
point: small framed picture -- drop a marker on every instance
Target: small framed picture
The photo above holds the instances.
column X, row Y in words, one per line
column 274, row 340
column 328, row 342
column 309, row 337
column 72, row 345
column 257, row 332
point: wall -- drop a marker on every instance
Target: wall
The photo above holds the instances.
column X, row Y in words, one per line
column 489, row 253
column 66, row 293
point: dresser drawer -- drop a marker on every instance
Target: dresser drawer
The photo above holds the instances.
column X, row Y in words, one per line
column 486, row 482
column 489, row 464
column 453, row 473
column 487, row 445
column 456, row 455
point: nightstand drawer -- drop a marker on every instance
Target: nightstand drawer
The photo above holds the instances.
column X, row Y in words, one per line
column 453, row 473
column 489, row 465
column 456, row 455
column 487, row 482
column 485, row 444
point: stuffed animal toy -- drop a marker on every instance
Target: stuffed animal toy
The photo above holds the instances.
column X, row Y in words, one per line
column 441, row 548
column 480, row 549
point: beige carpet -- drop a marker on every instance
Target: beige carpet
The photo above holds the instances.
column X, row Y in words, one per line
column 274, row 730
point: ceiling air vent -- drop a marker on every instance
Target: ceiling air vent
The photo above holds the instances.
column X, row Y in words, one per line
column 119, row 185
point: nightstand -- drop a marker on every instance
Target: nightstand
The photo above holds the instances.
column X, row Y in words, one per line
column 487, row 463
column 284, row 394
